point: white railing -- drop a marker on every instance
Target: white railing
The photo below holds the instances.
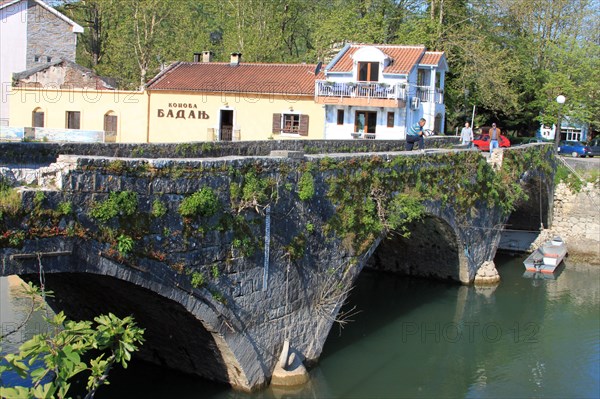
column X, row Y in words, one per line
column 426, row 94
column 325, row 88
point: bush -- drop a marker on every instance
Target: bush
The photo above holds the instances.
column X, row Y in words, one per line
column 124, row 244
column 65, row 208
column 197, row 279
column 202, row 203
column 10, row 202
column 124, row 203
column 306, row 186
column 158, row 209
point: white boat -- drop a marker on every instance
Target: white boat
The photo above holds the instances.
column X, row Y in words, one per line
column 546, row 258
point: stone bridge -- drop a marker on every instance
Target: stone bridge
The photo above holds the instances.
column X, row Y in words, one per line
column 223, row 259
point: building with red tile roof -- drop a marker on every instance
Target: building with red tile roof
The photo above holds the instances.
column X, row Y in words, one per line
column 377, row 91
column 234, row 101
column 366, row 91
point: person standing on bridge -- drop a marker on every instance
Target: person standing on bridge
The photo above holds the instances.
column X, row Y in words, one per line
column 414, row 134
column 494, row 137
column 466, row 135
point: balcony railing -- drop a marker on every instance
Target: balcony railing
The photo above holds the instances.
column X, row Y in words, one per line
column 361, row 90
column 426, row 94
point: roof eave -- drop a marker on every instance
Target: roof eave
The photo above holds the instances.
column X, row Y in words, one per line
column 339, row 55
column 149, row 89
column 161, row 74
column 76, row 27
column 10, row 3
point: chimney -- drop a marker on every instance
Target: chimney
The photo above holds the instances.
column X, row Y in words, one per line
column 235, row 59
column 207, row 56
column 197, row 57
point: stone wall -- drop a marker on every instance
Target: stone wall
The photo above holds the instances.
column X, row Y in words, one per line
column 46, row 153
column 62, row 74
column 48, row 36
column 577, row 220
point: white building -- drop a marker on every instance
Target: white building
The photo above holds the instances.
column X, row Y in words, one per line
column 377, row 91
column 569, row 130
column 31, row 33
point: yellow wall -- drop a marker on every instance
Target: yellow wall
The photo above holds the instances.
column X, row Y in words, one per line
column 253, row 115
column 130, row 108
column 173, row 117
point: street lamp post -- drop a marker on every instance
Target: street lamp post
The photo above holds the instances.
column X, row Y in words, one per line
column 560, row 100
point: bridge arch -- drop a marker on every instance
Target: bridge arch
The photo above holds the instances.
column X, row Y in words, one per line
column 433, row 249
column 184, row 331
column 536, row 210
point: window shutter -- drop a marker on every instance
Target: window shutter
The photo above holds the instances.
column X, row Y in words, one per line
column 110, row 123
column 38, row 119
column 303, row 125
column 77, row 120
column 276, row 123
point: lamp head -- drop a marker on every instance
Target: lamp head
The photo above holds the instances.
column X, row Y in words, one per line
column 560, row 99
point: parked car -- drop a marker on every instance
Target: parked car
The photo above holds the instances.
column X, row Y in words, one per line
column 595, row 146
column 482, row 141
column 530, row 140
column 574, row 148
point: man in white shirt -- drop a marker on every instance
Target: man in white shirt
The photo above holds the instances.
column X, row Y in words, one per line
column 466, row 135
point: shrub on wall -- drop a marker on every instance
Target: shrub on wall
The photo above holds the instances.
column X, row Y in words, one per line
column 158, row 209
column 306, row 186
column 10, row 201
column 124, row 203
column 201, row 203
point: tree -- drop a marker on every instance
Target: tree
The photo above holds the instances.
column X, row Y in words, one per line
column 61, row 352
column 94, row 16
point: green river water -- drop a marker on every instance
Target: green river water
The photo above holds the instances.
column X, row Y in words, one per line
column 415, row 338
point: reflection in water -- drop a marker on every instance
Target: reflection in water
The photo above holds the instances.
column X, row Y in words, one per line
column 15, row 306
column 422, row 339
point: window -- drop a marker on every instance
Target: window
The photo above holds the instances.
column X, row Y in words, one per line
column 36, row 58
column 37, row 118
column 340, row 116
column 390, row 119
column 365, row 122
column 291, row 124
column 73, row 120
column 422, row 77
column 48, row 59
column 368, row 71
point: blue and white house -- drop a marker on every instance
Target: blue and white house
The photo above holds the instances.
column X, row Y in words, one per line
column 377, row 91
column 569, row 130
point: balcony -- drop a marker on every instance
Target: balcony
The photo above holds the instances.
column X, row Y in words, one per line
column 360, row 94
column 426, row 94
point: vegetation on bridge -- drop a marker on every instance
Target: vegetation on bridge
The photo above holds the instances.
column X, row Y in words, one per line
column 373, row 197
column 369, row 197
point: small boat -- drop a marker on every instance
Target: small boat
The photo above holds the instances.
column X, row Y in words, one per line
column 546, row 258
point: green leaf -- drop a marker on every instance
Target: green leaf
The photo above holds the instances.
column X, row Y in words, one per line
column 14, row 393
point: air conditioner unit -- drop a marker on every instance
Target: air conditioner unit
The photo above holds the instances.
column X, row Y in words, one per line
column 415, row 103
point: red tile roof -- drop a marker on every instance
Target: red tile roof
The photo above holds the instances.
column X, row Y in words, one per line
column 404, row 58
column 243, row 78
column 431, row 58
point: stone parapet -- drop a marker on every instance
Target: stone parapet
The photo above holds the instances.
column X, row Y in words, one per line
column 30, row 153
